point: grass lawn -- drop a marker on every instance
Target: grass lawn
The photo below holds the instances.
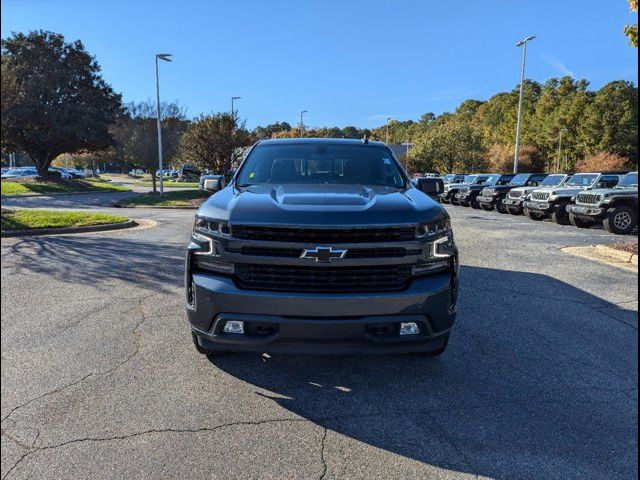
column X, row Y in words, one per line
column 167, row 183
column 24, row 187
column 27, row 218
column 179, row 198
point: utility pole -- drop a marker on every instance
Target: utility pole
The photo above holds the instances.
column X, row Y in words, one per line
column 386, row 140
column 233, row 112
column 522, row 44
column 562, row 131
column 165, row 57
column 302, row 122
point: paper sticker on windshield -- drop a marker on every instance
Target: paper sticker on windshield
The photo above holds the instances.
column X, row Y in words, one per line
column 252, row 174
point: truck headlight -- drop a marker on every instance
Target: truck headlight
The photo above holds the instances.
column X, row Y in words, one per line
column 211, row 226
column 438, row 227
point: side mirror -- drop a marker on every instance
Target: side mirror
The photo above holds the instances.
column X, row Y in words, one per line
column 430, row 186
column 211, row 183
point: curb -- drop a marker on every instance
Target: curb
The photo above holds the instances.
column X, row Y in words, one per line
column 55, row 194
column 618, row 255
column 54, row 231
column 152, row 207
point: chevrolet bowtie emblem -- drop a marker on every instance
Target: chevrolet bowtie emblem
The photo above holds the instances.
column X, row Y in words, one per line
column 324, row 254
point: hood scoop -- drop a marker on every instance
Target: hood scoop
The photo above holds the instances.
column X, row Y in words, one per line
column 315, row 195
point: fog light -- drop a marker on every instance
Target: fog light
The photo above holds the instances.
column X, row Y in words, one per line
column 234, row 326
column 409, row 328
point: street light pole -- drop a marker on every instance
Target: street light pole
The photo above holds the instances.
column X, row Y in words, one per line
column 562, row 131
column 302, row 122
column 165, row 57
column 386, row 140
column 522, row 44
column 233, row 112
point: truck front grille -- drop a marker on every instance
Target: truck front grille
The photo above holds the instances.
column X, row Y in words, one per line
column 329, row 236
column 588, row 198
column 323, row 279
column 378, row 252
column 515, row 194
column 541, row 196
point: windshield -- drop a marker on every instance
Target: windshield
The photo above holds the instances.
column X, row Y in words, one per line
column 310, row 163
column 629, row 180
column 492, row 179
column 470, row 178
column 448, row 178
column 13, row 172
column 520, row 180
column 582, row 180
column 553, row 180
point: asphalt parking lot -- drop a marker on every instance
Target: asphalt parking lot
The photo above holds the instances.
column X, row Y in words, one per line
column 100, row 379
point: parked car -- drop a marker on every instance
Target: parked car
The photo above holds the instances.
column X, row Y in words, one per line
column 616, row 208
column 553, row 201
column 451, row 189
column 467, row 196
column 493, row 197
column 320, row 246
column 514, row 201
column 22, row 172
column 136, row 172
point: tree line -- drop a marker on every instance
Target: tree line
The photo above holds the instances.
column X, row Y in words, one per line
column 56, row 103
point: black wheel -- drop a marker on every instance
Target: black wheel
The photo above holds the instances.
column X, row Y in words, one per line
column 486, row 207
column 533, row 215
column 464, row 204
column 474, row 203
column 439, row 351
column 578, row 222
column 514, row 211
column 500, row 207
column 560, row 214
column 620, row 220
column 204, row 351
column 444, row 199
column 454, row 202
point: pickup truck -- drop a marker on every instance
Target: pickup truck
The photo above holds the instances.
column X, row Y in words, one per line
column 493, row 197
column 514, row 202
column 553, row 201
column 449, row 180
column 320, row 246
column 451, row 190
column 616, row 208
column 467, row 196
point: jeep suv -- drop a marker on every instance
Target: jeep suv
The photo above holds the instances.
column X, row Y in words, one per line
column 553, row 201
column 616, row 208
column 320, row 246
column 450, row 180
column 452, row 190
column 514, row 202
column 467, row 196
column 493, row 197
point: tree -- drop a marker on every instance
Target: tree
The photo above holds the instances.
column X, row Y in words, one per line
column 631, row 31
column 136, row 137
column 500, row 159
column 602, row 162
column 213, row 142
column 54, row 99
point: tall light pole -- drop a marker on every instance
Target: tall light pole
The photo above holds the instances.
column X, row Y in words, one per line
column 562, row 131
column 386, row 139
column 302, row 122
column 165, row 57
column 523, row 44
column 233, row 112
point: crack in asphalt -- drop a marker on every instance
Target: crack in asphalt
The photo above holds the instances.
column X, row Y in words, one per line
column 34, row 450
column 322, row 457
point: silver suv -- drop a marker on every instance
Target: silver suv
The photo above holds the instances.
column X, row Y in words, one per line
column 616, row 208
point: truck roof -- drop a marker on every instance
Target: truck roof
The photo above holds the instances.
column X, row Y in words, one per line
column 315, row 141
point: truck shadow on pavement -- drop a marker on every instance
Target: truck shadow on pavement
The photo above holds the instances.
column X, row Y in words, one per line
column 539, row 381
column 103, row 260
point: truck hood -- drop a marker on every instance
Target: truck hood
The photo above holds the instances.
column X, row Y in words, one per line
column 562, row 191
column 321, row 205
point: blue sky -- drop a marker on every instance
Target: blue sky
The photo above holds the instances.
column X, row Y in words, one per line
column 349, row 62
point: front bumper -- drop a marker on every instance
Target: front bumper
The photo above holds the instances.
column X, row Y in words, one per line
column 487, row 200
column 513, row 202
column 283, row 322
column 545, row 207
column 586, row 212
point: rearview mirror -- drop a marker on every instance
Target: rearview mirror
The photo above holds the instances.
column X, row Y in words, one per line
column 431, row 186
column 211, row 183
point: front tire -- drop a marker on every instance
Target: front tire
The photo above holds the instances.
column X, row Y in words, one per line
column 533, row 215
column 560, row 214
column 474, row 204
column 455, row 202
column 486, row 207
column 620, row 220
column 514, row 211
column 500, row 207
column 579, row 222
